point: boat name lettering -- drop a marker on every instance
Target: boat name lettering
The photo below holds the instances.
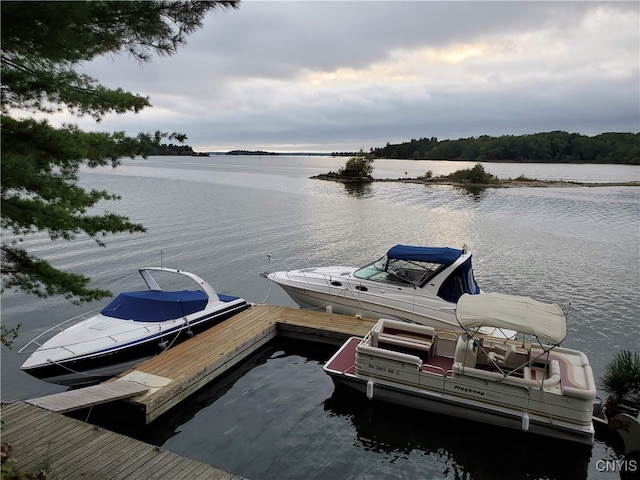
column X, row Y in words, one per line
column 469, row 390
column 380, row 368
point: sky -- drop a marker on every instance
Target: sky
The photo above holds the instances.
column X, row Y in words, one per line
column 301, row 76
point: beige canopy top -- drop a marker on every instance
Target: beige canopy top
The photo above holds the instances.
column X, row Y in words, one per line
column 546, row 321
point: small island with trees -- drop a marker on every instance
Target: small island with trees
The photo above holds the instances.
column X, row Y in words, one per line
column 359, row 169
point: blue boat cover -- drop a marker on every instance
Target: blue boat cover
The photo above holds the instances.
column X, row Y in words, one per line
column 155, row 305
column 442, row 255
column 226, row 298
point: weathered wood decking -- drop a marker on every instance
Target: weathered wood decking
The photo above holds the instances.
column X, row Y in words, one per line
column 65, row 448
column 89, row 396
column 179, row 372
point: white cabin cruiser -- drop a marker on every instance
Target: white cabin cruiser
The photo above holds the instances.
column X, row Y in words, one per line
column 532, row 386
column 133, row 327
column 409, row 283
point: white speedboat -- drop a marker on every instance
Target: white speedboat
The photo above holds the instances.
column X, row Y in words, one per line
column 535, row 386
column 133, row 327
column 409, row 283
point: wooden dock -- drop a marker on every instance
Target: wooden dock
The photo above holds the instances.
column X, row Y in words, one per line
column 161, row 383
column 182, row 370
column 71, row 449
column 63, row 447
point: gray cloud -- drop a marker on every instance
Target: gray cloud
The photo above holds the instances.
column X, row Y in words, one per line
column 345, row 75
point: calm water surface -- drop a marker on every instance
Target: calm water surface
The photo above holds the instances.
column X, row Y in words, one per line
column 278, row 416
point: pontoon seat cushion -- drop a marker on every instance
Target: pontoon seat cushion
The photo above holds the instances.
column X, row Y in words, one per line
column 465, row 352
column 502, row 355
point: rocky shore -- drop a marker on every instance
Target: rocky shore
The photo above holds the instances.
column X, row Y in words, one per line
column 509, row 183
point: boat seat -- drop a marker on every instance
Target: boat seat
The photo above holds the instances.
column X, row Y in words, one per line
column 509, row 356
column 445, row 344
column 401, row 334
column 466, row 352
column 501, row 354
column 404, row 342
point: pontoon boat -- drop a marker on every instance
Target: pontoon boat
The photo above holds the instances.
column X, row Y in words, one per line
column 535, row 386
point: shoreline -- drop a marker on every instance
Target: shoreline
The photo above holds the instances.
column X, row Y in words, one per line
column 499, row 184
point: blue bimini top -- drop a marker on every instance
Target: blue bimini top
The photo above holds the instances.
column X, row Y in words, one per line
column 442, row 255
column 155, row 305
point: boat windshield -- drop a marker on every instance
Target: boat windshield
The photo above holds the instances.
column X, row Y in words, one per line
column 374, row 271
column 397, row 271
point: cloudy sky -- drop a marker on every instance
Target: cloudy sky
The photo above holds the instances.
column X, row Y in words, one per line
column 334, row 76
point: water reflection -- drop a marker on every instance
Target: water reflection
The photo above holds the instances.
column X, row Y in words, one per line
column 459, row 448
column 476, row 192
column 358, row 190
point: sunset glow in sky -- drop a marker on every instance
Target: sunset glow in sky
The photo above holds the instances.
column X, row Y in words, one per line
column 331, row 76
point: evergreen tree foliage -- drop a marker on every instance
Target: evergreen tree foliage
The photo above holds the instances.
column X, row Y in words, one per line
column 547, row 147
column 359, row 165
column 43, row 43
column 476, row 176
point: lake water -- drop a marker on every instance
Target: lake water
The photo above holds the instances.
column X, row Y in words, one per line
column 277, row 417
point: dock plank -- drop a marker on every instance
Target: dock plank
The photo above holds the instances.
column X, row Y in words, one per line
column 39, row 440
column 184, row 472
column 23, row 423
column 152, row 464
column 194, row 473
column 166, row 468
column 89, row 396
column 59, row 440
column 66, row 463
column 97, row 453
column 140, row 462
column 120, row 460
column 71, row 449
column 319, row 326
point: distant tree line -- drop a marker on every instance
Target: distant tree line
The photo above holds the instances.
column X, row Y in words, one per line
column 250, row 152
column 172, row 149
column 343, row 154
column 548, row 147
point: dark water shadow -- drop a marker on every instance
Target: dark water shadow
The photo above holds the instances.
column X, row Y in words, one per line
column 471, row 449
column 125, row 418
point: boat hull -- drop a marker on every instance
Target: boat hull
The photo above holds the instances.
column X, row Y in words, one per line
column 374, row 304
column 445, row 406
column 97, row 366
column 368, row 306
